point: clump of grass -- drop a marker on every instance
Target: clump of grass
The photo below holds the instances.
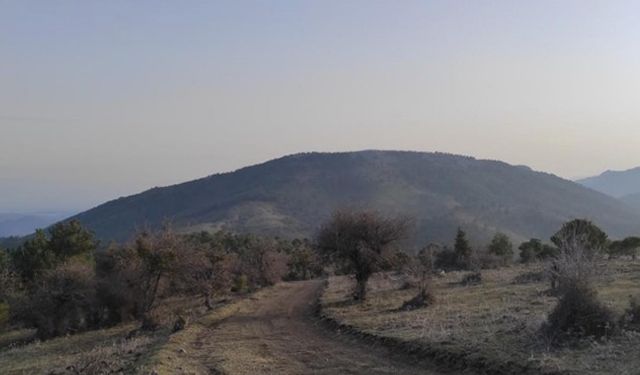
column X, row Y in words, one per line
column 530, row 277
column 109, row 359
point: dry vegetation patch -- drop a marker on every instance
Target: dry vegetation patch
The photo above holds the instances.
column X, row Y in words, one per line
column 96, row 352
column 106, row 351
column 497, row 321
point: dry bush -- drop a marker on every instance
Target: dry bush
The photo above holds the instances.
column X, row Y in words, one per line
column 133, row 277
column 202, row 272
column 573, row 266
column 530, row 277
column 573, row 273
column 116, row 358
column 304, row 263
column 488, row 260
column 419, row 270
column 423, row 299
column 260, row 262
column 446, row 259
column 631, row 317
column 473, row 278
column 273, row 267
column 580, row 314
column 62, row 302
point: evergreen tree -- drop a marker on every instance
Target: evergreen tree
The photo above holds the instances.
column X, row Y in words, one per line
column 463, row 250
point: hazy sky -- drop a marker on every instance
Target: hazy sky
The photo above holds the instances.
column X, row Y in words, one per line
column 100, row 99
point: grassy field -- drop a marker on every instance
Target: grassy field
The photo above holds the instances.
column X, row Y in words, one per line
column 496, row 322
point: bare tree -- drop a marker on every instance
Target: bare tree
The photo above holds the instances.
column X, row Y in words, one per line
column 202, row 271
column 420, row 269
column 360, row 240
column 578, row 312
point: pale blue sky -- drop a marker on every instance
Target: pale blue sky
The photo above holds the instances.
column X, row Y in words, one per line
column 106, row 98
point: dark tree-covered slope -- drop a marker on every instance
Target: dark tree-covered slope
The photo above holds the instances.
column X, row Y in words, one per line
column 293, row 195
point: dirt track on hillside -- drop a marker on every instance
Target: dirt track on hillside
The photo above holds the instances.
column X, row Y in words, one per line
column 277, row 333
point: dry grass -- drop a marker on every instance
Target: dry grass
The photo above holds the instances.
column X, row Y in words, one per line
column 95, row 352
column 106, row 351
column 177, row 354
column 498, row 319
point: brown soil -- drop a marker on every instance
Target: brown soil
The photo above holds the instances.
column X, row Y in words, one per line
column 276, row 332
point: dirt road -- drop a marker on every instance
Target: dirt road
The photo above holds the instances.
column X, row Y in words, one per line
column 276, row 333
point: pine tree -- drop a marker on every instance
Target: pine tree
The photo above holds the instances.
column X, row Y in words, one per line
column 462, row 249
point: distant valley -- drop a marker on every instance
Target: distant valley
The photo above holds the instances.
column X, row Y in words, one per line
column 19, row 224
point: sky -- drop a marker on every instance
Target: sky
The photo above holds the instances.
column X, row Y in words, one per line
column 101, row 99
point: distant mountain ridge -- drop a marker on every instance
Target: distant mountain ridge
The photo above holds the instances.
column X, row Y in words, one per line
column 293, row 195
column 617, row 184
column 14, row 224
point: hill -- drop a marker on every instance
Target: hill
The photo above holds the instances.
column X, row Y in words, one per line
column 615, row 183
column 293, row 195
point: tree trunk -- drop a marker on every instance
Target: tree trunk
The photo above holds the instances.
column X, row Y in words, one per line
column 360, row 293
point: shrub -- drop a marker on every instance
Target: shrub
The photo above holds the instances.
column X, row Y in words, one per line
column 529, row 277
column 502, row 248
column 631, row 317
column 627, row 247
column 118, row 285
column 488, row 260
column 423, row 299
column 419, row 270
column 273, row 267
column 303, row 264
column 63, row 301
column 240, row 284
column 535, row 250
column 133, row 278
column 579, row 314
column 446, row 259
column 473, row 278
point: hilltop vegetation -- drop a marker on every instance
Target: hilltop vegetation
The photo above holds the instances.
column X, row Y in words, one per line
column 291, row 196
